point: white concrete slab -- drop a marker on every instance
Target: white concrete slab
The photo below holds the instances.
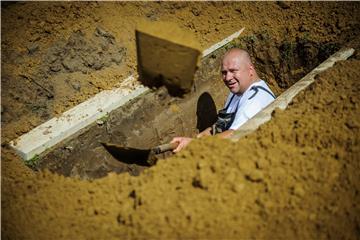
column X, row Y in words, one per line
column 57, row 129
column 286, row 97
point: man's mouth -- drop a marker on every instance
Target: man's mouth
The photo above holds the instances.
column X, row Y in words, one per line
column 231, row 84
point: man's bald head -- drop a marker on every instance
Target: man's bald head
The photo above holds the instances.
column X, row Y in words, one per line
column 237, row 70
column 237, row 53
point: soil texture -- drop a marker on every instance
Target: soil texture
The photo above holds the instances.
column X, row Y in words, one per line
column 295, row 178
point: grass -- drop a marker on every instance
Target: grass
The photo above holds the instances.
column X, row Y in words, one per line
column 287, row 50
column 250, row 38
column 240, row 42
column 33, row 161
column 104, row 118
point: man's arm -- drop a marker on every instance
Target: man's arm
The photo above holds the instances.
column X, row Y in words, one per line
column 206, row 132
column 226, row 134
column 184, row 141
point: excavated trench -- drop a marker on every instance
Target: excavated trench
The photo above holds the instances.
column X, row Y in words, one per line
column 155, row 117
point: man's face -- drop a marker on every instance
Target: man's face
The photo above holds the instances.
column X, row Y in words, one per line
column 236, row 74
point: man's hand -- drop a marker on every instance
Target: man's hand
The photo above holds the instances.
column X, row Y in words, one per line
column 183, row 142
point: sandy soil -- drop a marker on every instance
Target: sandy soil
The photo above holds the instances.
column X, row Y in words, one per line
column 297, row 177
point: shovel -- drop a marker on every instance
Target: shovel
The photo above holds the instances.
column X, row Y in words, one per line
column 144, row 157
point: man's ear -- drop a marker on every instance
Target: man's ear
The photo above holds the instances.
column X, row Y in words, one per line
column 251, row 69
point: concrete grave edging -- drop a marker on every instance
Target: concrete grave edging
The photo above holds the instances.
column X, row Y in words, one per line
column 286, row 97
column 57, row 129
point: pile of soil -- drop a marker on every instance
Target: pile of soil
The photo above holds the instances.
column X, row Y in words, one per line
column 296, row 177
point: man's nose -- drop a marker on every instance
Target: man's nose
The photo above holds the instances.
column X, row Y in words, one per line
column 228, row 76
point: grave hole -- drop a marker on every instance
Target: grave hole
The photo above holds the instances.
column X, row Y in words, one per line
column 155, row 117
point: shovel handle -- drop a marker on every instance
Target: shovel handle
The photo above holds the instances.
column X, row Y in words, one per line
column 165, row 147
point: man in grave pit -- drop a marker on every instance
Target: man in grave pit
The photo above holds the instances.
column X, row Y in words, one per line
column 248, row 96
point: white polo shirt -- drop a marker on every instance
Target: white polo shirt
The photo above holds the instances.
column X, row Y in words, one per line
column 247, row 108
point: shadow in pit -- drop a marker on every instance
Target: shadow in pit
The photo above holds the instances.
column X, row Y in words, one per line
column 205, row 112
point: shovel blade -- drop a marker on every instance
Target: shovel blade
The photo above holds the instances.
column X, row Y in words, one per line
column 129, row 155
column 160, row 45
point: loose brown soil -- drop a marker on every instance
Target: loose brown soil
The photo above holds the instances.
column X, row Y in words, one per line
column 296, row 177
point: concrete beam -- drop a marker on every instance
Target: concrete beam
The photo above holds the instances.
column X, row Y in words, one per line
column 57, row 129
column 286, row 97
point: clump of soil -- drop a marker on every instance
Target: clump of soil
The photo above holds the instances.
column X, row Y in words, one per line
column 79, row 54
